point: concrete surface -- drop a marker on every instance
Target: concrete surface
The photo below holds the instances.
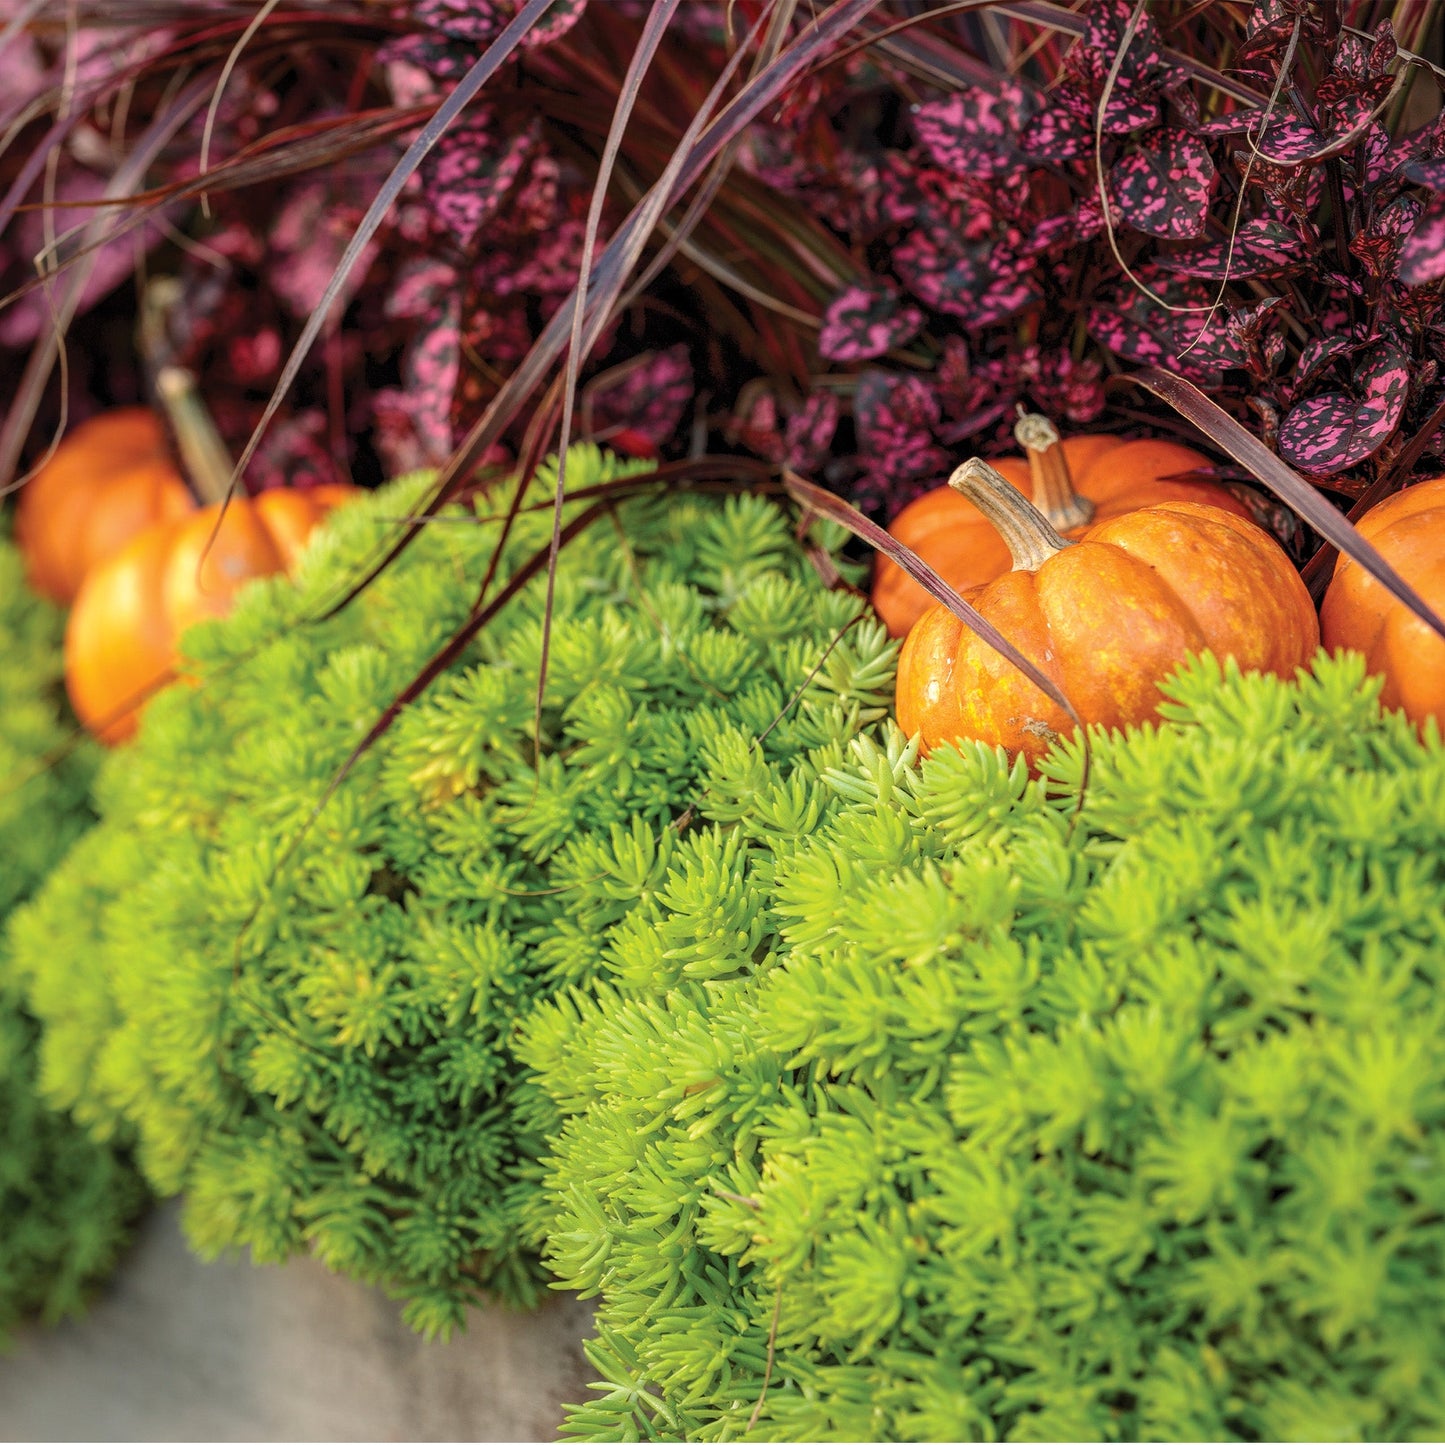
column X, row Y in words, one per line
column 180, row 1350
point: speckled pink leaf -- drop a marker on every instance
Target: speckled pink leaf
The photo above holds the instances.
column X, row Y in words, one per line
column 1418, row 310
column 1376, row 149
column 1288, row 140
column 1135, row 327
column 1429, row 173
column 431, row 367
column 473, row 22
column 1236, row 122
column 1255, row 334
column 458, row 31
column 1213, row 344
column 1161, row 185
column 1244, row 337
column 469, row 174
column 558, row 20
column 1328, row 433
column 1271, row 23
column 1057, row 134
column 1378, row 247
column 296, row 452
column 1262, row 247
column 1427, row 143
column 866, row 321
column 895, row 417
column 1069, row 228
column 422, row 284
column 1295, row 189
column 794, row 436
column 1360, row 69
column 809, row 431
column 1141, row 75
column 980, row 282
column 1322, row 351
column 648, row 397
column 975, row 132
column 1071, row 390
column 889, row 190
column 1422, row 256
column 1125, row 336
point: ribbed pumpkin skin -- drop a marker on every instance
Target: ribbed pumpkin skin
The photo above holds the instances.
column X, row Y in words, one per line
column 1408, row 530
column 132, row 609
column 1106, row 620
column 949, row 533
column 109, row 479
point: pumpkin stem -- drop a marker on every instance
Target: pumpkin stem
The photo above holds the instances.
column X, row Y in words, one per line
column 1030, row 537
column 208, row 464
column 1054, row 492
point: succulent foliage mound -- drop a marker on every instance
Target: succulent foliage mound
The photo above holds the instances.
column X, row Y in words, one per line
column 924, row 1107
column 64, row 1201
column 311, row 1029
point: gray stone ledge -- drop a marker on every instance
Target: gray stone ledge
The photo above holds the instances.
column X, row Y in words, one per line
column 175, row 1349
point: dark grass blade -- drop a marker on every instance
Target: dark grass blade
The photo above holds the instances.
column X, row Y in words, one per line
column 712, row 184
column 1287, row 485
column 693, row 155
column 824, row 502
column 285, row 153
column 707, row 474
column 696, row 474
column 477, row 619
column 652, row 33
column 27, row 393
column 185, row 54
column 929, row 56
column 466, row 91
column 618, row 260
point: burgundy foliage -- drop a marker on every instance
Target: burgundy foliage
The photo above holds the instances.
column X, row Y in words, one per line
column 947, row 240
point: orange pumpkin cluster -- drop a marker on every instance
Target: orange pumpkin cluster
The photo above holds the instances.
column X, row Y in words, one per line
column 109, row 526
column 1108, row 587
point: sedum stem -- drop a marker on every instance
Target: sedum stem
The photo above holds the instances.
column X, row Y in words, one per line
column 1030, row 537
column 1054, row 492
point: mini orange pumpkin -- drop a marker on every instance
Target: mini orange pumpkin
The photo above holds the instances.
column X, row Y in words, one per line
column 1075, row 481
column 130, row 611
column 120, row 641
column 108, row 480
column 1408, row 530
column 1106, row 618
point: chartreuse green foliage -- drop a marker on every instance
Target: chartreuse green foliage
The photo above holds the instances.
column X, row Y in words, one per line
column 42, row 809
column 64, row 1201
column 1016, row 1123
column 316, row 1046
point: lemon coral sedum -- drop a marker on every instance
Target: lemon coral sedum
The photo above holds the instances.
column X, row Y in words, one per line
column 1015, row 1117
column 65, row 1201
column 309, row 1022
